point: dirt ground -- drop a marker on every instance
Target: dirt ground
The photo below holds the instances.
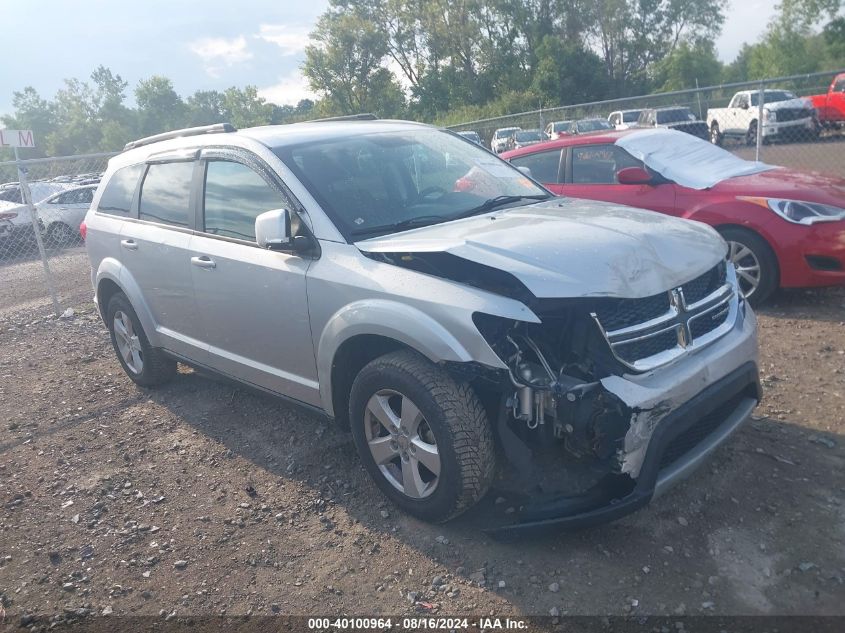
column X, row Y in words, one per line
column 200, row 498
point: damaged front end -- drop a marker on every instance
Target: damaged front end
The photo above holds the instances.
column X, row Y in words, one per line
column 581, row 446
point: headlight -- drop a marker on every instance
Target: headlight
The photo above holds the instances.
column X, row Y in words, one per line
column 770, row 115
column 798, row 211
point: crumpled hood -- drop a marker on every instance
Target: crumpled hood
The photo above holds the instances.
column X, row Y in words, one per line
column 573, row 248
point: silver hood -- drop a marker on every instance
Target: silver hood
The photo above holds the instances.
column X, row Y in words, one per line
column 573, row 248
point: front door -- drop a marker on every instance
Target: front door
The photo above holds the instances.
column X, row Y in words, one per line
column 591, row 173
column 252, row 301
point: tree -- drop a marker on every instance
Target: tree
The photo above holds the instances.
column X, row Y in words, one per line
column 159, row 107
column 688, row 66
column 567, row 73
column 206, row 107
column 346, row 66
column 244, row 108
column 31, row 112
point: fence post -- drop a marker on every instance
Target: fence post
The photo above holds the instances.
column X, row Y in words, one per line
column 26, row 195
column 760, row 98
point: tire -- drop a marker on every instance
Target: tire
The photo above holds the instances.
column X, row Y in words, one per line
column 155, row 367
column 449, row 414
column 715, row 134
column 759, row 252
column 751, row 134
column 60, row 234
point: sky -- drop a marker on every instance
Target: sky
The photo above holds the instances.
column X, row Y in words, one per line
column 201, row 45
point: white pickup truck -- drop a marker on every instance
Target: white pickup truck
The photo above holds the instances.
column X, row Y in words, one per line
column 784, row 114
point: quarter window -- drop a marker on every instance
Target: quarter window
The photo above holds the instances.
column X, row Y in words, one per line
column 234, row 196
column 544, row 166
column 117, row 196
column 166, row 193
column 598, row 164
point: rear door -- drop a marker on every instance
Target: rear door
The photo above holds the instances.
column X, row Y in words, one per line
column 590, row 172
column 155, row 249
column 252, row 301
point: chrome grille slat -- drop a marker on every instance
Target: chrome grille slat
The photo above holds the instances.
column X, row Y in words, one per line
column 649, row 344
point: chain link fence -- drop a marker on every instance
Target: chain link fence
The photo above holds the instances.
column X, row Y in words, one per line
column 802, row 116
column 43, row 263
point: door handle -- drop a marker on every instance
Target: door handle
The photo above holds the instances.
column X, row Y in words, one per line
column 203, row 261
column 129, row 245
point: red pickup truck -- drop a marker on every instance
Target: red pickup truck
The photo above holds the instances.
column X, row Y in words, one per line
column 831, row 106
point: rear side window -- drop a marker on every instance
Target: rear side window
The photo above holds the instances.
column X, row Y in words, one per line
column 117, row 196
column 598, row 164
column 166, row 193
column 234, row 196
column 544, row 166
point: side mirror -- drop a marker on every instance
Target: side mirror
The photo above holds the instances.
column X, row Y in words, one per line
column 272, row 229
column 525, row 170
column 633, row 176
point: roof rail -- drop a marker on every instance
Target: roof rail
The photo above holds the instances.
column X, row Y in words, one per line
column 217, row 128
column 366, row 116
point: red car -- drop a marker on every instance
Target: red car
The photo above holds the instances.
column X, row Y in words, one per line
column 831, row 106
column 784, row 228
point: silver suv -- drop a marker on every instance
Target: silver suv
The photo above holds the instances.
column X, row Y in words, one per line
column 471, row 329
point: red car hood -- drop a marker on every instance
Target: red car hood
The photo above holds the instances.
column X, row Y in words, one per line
column 785, row 183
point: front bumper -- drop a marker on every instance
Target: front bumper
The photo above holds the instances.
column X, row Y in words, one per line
column 681, row 414
column 681, row 442
column 810, row 256
column 780, row 128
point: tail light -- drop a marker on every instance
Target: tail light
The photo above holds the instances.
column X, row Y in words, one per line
column 8, row 216
column 83, row 230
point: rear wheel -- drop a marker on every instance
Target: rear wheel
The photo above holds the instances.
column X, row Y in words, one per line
column 755, row 262
column 423, row 438
column 146, row 365
column 60, row 234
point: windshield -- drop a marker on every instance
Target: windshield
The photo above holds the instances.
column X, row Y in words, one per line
column 591, row 125
column 631, row 116
column 771, row 96
column 677, row 115
column 529, row 135
column 506, row 132
column 369, row 183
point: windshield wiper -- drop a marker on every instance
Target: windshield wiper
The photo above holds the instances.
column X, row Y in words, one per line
column 498, row 201
column 423, row 220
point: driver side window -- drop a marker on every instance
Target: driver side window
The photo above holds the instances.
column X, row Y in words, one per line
column 234, row 196
column 599, row 164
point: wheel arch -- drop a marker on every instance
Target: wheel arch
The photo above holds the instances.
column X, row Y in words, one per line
column 743, row 227
column 362, row 331
column 113, row 277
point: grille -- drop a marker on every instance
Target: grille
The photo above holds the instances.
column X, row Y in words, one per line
column 632, row 352
column 792, row 114
column 620, row 313
column 693, row 436
column 707, row 323
column 639, row 329
column 705, row 284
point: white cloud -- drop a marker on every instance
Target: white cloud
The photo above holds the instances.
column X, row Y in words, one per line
column 219, row 52
column 291, row 39
column 288, row 91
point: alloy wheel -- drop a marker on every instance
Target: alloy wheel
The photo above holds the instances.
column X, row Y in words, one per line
column 128, row 343
column 402, row 443
column 747, row 267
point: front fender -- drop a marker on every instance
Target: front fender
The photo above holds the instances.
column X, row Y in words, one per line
column 397, row 321
column 116, row 272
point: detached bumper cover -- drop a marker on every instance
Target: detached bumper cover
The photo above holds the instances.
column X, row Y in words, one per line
column 681, row 442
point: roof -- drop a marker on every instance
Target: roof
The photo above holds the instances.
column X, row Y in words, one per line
column 593, row 138
column 295, row 133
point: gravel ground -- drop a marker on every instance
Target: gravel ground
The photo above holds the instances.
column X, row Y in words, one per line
column 203, row 499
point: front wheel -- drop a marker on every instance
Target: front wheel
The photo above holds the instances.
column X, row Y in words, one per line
column 715, row 134
column 424, row 438
column 751, row 134
column 755, row 262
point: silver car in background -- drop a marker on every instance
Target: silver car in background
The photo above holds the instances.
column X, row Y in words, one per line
column 471, row 329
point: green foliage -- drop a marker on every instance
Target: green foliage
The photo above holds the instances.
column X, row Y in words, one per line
column 688, row 66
